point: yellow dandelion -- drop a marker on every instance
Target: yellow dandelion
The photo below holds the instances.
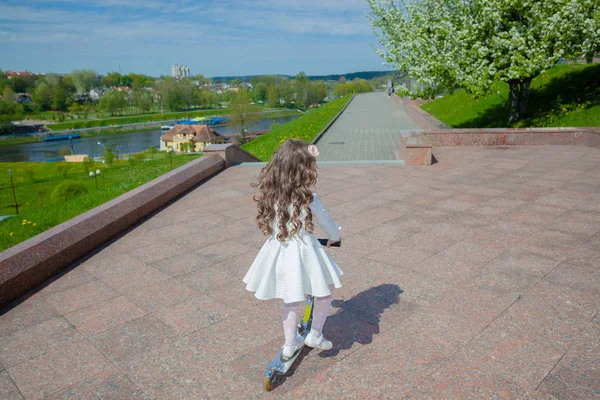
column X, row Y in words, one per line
column 34, row 224
column 11, row 234
column 24, row 221
column 564, row 109
column 29, row 222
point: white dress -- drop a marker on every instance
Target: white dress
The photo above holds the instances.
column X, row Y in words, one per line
column 300, row 265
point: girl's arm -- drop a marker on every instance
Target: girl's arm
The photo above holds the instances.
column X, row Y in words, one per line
column 324, row 220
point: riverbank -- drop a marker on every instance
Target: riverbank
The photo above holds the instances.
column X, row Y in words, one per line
column 123, row 128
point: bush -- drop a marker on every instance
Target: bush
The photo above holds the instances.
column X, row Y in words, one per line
column 30, row 174
column 140, row 156
column 65, row 151
column 109, row 157
column 64, row 169
column 41, row 194
column 67, row 191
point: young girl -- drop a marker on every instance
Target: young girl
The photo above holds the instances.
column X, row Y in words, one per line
column 292, row 263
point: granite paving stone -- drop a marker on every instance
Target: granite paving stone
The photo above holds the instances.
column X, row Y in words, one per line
column 35, row 340
column 476, row 277
column 31, row 311
column 576, row 375
column 181, row 264
column 400, row 256
column 108, row 384
column 58, row 369
column 208, row 278
column 132, row 339
column 193, row 314
column 81, row 296
column 162, row 294
column 67, row 280
column 8, row 389
column 105, row 315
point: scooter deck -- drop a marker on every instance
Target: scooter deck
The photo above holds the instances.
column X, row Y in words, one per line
column 282, row 365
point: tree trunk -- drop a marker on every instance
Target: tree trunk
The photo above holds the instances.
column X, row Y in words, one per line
column 513, row 98
column 518, row 97
column 524, row 98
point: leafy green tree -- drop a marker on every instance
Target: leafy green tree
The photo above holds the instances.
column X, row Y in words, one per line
column 273, row 96
column 8, row 93
column 259, row 92
column 113, row 102
column 109, row 157
column 188, row 92
column 110, row 80
column 171, row 95
column 59, row 102
column 84, row 80
column 74, row 109
column 356, row 86
column 9, row 111
column 43, row 95
column 446, row 44
column 17, row 84
column 242, row 114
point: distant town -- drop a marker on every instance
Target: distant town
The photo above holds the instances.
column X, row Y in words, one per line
column 82, row 95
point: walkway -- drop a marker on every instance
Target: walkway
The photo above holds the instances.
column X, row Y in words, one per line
column 478, row 277
column 369, row 129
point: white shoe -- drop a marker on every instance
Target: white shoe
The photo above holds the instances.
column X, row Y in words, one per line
column 289, row 351
column 318, row 343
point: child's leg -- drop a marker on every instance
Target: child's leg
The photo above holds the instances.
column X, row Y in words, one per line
column 290, row 322
column 321, row 309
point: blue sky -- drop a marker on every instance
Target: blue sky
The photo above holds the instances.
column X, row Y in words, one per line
column 222, row 37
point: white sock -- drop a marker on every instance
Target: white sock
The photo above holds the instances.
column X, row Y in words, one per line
column 290, row 322
column 320, row 312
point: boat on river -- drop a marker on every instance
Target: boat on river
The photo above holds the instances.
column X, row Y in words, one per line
column 51, row 137
column 211, row 121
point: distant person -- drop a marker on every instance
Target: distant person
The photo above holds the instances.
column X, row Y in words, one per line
column 292, row 263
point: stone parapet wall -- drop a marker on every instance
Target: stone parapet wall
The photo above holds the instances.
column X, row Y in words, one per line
column 30, row 263
column 420, row 117
column 515, row 137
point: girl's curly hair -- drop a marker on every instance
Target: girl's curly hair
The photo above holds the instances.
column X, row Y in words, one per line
column 286, row 179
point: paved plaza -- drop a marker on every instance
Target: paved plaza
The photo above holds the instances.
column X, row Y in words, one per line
column 369, row 129
column 477, row 277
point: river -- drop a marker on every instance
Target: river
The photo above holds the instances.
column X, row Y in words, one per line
column 128, row 142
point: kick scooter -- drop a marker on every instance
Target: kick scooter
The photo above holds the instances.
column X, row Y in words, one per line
column 280, row 365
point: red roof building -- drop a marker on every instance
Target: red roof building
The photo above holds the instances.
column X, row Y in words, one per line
column 190, row 137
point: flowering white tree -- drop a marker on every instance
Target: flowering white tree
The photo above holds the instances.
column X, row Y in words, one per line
column 447, row 44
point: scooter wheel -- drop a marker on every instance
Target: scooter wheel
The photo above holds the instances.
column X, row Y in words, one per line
column 268, row 385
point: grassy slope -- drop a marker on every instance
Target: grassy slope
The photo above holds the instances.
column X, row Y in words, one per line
column 566, row 95
column 35, row 208
column 307, row 127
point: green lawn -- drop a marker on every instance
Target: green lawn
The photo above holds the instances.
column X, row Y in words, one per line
column 34, row 183
column 566, row 95
column 306, row 127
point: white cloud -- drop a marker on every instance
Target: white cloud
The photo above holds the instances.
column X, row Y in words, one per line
column 149, row 35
